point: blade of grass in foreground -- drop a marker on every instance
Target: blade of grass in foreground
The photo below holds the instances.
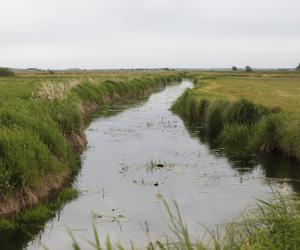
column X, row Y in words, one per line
column 271, row 225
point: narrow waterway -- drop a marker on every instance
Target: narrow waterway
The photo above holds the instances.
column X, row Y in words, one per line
column 141, row 152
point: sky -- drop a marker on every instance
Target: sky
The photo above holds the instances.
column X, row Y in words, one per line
column 91, row 34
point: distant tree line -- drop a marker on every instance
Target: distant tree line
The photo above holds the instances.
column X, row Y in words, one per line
column 6, row 72
column 247, row 68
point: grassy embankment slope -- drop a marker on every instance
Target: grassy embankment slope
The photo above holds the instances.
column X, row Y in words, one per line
column 247, row 112
column 42, row 118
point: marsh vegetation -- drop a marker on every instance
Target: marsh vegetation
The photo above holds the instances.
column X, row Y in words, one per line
column 42, row 120
column 247, row 112
column 141, row 151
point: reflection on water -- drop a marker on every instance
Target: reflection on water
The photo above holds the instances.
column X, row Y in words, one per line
column 276, row 168
column 142, row 152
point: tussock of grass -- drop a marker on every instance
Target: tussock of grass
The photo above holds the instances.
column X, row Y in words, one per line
column 6, row 225
column 40, row 213
column 37, row 214
column 66, row 195
column 245, row 112
column 268, row 133
column 214, row 120
column 236, row 135
column 272, row 225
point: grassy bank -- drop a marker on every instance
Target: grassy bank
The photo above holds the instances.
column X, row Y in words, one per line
column 246, row 113
column 27, row 225
column 42, row 118
column 37, row 214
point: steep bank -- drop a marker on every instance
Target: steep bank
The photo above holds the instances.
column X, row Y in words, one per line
column 237, row 122
column 42, row 134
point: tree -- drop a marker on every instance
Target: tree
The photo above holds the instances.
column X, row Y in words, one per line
column 298, row 67
column 234, row 68
column 248, row 69
column 6, row 72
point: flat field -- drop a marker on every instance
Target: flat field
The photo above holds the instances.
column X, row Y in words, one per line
column 268, row 89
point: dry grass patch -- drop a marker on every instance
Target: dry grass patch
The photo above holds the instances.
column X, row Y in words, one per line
column 49, row 91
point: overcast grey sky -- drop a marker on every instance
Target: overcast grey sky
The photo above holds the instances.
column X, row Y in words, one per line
column 149, row 33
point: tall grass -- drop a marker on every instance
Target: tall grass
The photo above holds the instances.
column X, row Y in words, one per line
column 38, row 214
column 241, row 124
column 41, row 127
column 270, row 225
column 180, row 239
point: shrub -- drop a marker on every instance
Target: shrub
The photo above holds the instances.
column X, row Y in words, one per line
column 202, row 109
column 236, row 135
column 6, row 72
column 267, row 134
column 245, row 112
column 248, row 69
column 214, row 122
column 290, row 136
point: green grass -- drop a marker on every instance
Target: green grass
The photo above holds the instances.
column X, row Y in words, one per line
column 39, row 116
column 252, row 112
column 39, row 113
column 181, row 238
column 5, row 72
column 40, row 213
column 268, row 89
column 270, row 225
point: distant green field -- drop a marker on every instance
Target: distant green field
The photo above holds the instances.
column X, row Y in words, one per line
column 271, row 90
